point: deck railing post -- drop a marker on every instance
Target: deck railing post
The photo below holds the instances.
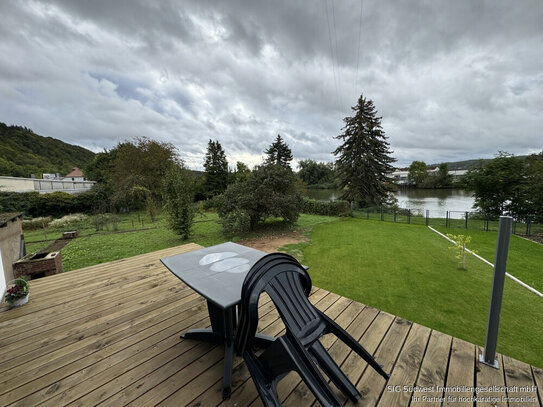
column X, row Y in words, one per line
column 502, row 247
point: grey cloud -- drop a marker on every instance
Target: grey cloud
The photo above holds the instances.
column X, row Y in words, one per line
column 452, row 80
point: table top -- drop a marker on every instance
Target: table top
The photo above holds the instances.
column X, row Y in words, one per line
column 215, row 272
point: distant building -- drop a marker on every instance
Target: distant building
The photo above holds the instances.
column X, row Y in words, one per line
column 75, row 175
column 401, row 175
column 44, row 186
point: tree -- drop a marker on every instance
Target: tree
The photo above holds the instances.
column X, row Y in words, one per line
column 442, row 179
column 242, row 172
column 269, row 191
column 178, row 195
column 418, row 172
column 216, row 169
column 315, row 173
column 364, row 159
column 499, row 186
column 278, row 153
column 534, row 185
column 132, row 172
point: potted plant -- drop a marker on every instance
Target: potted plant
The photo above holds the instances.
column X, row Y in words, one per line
column 17, row 292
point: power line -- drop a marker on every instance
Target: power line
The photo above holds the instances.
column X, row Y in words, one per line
column 337, row 57
column 332, row 53
column 358, row 55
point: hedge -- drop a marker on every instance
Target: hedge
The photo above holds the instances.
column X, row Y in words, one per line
column 327, row 208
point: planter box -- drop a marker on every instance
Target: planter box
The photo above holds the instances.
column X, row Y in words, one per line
column 38, row 265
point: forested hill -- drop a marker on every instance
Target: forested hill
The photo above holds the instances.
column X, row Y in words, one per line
column 23, row 152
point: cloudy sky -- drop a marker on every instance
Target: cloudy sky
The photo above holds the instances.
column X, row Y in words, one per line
column 452, row 80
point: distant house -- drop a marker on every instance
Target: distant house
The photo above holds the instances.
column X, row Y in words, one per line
column 75, row 175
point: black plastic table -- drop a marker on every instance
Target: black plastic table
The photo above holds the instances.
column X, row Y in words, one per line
column 217, row 273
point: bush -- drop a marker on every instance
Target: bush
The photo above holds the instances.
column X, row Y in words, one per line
column 36, row 223
column 327, row 208
column 68, row 220
column 269, row 191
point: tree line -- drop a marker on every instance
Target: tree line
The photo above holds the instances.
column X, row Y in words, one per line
column 145, row 174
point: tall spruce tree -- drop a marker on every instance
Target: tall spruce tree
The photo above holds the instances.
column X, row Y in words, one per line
column 216, row 169
column 364, row 159
column 278, row 154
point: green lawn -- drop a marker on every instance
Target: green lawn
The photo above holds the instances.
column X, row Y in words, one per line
column 98, row 247
column 524, row 260
column 409, row 271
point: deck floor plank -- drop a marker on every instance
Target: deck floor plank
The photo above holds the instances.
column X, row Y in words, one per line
column 111, row 338
column 521, row 388
column 489, row 377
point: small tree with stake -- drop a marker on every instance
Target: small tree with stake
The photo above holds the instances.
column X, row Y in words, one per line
column 460, row 242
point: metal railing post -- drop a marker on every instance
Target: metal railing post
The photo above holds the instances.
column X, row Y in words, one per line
column 409, row 216
column 427, row 217
column 502, row 247
column 467, row 214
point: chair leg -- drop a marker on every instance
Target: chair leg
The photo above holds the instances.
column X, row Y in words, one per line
column 303, row 364
column 267, row 389
column 332, row 370
column 354, row 345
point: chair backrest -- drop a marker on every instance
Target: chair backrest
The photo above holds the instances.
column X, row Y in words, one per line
column 288, row 284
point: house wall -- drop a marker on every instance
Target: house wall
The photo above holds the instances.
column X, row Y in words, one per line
column 10, row 245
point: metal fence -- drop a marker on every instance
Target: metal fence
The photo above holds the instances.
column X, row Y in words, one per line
column 450, row 219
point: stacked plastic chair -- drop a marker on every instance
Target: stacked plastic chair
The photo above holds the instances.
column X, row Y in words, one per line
column 288, row 284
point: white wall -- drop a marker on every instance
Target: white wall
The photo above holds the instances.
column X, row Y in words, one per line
column 2, row 277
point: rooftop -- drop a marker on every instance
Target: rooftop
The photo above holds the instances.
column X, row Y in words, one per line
column 109, row 334
column 76, row 172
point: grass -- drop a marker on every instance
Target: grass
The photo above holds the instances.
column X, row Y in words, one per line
column 409, row 271
column 524, row 260
column 94, row 247
column 406, row 270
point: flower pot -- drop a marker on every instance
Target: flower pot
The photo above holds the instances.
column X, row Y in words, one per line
column 20, row 301
column 17, row 292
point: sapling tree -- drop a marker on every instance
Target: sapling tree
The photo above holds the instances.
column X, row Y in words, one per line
column 460, row 242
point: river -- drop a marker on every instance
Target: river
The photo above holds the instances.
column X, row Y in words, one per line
column 418, row 200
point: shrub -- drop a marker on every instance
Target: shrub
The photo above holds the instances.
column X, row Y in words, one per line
column 68, row 220
column 36, row 223
column 327, row 208
column 269, row 191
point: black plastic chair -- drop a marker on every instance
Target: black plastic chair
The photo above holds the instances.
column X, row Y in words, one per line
column 288, row 284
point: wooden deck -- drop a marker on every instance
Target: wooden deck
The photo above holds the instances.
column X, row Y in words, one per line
column 109, row 335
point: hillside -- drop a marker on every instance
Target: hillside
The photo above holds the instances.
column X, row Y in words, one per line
column 23, row 152
column 471, row 164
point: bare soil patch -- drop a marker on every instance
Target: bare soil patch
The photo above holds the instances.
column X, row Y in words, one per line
column 270, row 244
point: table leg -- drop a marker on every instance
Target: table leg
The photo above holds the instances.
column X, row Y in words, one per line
column 221, row 332
column 228, row 352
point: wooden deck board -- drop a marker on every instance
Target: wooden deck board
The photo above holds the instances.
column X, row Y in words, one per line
column 109, row 335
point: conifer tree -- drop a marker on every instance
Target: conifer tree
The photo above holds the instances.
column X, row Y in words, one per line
column 364, row 159
column 216, row 169
column 278, row 153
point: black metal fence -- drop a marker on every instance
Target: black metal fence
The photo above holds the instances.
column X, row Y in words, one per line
column 450, row 219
